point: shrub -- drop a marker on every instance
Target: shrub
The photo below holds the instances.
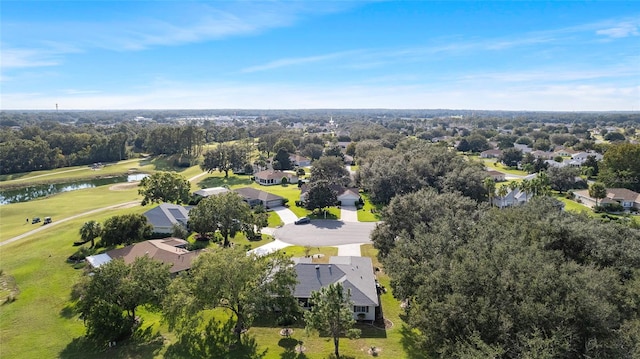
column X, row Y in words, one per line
column 613, row 207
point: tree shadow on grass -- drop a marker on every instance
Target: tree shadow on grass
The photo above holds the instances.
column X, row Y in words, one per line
column 370, row 331
column 144, row 343
column 162, row 163
column 215, row 340
column 412, row 343
column 232, row 180
column 289, row 345
column 68, row 311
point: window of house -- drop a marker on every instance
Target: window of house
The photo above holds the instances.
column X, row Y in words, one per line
column 360, row 309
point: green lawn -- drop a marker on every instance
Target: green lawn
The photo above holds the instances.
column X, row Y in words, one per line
column 300, row 251
column 76, row 173
column 493, row 164
column 369, row 212
column 274, row 220
column 40, row 323
column 59, row 206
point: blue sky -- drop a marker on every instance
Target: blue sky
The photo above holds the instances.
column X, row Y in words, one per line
column 548, row 56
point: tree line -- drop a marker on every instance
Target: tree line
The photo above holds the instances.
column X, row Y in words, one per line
column 523, row 282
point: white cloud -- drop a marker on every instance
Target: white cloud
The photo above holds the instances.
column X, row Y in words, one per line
column 294, row 61
column 22, row 58
column 596, row 97
column 624, row 29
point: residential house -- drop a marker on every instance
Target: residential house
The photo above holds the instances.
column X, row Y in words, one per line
column 543, row 155
column 346, row 196
column 564, row 152
column 206, row 192
column 355, row 273
column 256, row 197
column 496, row 175
column 300, row 161
column 494, row 153
column 553, row 163
column 581, row 157
column 168, row 250
column 166, row 215
column 522, row 147
column 514, row 197
column 273, row 177
column 627, row 198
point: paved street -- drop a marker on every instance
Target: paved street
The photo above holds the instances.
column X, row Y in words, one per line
column 325, row 233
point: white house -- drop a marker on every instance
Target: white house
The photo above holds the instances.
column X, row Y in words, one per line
column 514, row 197
column 206, row 192
column 581, row 157
column 346, row 196
column 273, row 177
column 355, row 273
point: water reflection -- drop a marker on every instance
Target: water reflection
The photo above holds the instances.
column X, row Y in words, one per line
column 32, row 192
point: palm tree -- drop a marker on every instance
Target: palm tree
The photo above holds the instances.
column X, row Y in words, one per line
column 502, row 193
column 490, row 186
column 90, row 231
column 526, row 187
column 543, row 183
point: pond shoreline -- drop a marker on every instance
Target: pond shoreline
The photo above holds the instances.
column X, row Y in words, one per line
column 40, row 182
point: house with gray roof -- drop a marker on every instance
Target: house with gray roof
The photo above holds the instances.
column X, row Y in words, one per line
column 166, row 215
column 256, row 197
column 355, row 273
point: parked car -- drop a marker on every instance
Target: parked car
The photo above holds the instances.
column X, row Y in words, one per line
column 35, row 220
column 302, row 220
column 47, row 220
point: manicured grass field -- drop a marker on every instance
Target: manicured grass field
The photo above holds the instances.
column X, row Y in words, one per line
column 493, row 164
column 369, row 212
column 274, row 220
column 324, row 252
column 59, row 206
column 68, row 174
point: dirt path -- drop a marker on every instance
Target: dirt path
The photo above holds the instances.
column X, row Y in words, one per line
column 56, row 222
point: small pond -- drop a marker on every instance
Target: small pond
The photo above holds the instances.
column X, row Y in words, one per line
column 32, row 192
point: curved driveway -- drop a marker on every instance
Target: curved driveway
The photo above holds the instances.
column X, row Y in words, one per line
column 326, row 233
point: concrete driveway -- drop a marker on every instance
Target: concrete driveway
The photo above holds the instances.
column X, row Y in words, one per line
column 286, row 215
column 269, row 247
column 326, row 233
column 349, row 213
column 350, row 250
